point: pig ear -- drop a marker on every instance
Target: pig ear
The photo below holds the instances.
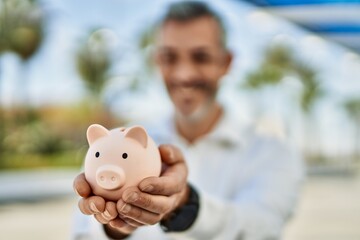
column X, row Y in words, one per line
column 94, row 132
column 139, row 134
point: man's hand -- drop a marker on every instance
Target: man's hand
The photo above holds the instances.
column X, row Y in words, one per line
column 156, row 197
column 147, row 204
column 104, row 212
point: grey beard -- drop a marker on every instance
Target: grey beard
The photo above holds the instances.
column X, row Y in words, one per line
column 199, row 114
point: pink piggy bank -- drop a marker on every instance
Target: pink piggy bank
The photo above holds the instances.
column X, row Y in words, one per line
column 118, row 159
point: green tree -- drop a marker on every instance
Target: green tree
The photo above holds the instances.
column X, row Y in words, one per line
column 21, row 32
column 280, row 62
column 93, row 60
column 145, row 45
column 352, row 108
column 2, row 132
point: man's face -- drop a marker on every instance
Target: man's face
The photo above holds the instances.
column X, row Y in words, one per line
column 192, row 61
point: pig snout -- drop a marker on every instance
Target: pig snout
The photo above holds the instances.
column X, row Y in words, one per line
column 110, row 177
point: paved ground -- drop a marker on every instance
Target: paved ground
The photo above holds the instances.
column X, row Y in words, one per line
column 329, row 209
column 41, row 220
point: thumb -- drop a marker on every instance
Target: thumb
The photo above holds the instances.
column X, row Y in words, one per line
column 170, row 154
column 81, row 186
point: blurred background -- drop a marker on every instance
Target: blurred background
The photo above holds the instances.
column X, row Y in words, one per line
column 67, row 64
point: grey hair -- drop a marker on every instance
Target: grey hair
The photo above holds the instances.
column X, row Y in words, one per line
column 184, row 11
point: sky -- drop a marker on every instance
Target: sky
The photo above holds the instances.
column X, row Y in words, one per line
column 51, row 78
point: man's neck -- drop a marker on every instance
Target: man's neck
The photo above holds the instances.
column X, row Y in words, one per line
column 192, row 130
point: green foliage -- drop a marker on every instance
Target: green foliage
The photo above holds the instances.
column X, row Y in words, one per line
column 279, row 62
column 93, row 62
column 34, row 138
column 352, row 107
column 2, row 132
column 312, row 91
column 280, row 56
column 21, row 27
column 71, row 159
column 146, row 44
column 53, row 136
column 147, row 37
column 268, row 75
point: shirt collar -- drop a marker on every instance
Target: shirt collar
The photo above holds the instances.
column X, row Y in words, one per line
column 231, row 130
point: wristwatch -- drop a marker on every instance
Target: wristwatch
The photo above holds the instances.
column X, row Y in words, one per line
column 182, row 218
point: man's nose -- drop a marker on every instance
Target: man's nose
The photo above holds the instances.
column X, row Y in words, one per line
column 185, row 72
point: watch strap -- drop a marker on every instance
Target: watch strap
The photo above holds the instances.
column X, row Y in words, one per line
column 183, row 218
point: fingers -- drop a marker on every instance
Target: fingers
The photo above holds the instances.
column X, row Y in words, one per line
column 136, row 216
column 92, row 205
column 174, row 177
column 106, row 213
column 152, row 203
column 144, row 208
column 132, row 222
column 165, row 185
column 121, row 226
column 99, row 217
column 170, row 154
column 81, row 186
column 110, row 212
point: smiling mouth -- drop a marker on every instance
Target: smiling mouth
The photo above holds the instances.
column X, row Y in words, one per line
column 190, row 85
column 187, row 101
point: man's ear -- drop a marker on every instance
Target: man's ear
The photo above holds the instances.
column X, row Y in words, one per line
column 94, row 132
column 228, row 58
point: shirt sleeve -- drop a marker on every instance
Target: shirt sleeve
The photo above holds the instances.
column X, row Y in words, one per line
column 260, row 206
column 86, row 227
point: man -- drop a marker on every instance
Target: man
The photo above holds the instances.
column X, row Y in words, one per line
column 222, row 180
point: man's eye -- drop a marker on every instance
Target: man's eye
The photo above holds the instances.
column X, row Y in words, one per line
column 168, row 58
column 201, row 58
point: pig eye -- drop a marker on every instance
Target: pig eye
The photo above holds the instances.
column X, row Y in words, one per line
column 97, row 154
column 124, row 156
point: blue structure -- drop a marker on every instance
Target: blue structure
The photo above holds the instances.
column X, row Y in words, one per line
column 334, row 19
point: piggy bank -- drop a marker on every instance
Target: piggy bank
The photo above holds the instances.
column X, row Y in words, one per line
column 118, row 159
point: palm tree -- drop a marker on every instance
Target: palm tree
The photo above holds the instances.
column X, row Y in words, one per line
column 93, row 60
column 352, row 108
column 146, row 43
column 279, row 62
column 2, row 132
column 21, row 31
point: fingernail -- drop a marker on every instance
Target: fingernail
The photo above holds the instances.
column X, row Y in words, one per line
column 148, row 188
column 107, row 214
column 171, row 153
column 94, row 208
column 132, row 197
column 125, row 209
column 76, row 191
column 112, row 224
